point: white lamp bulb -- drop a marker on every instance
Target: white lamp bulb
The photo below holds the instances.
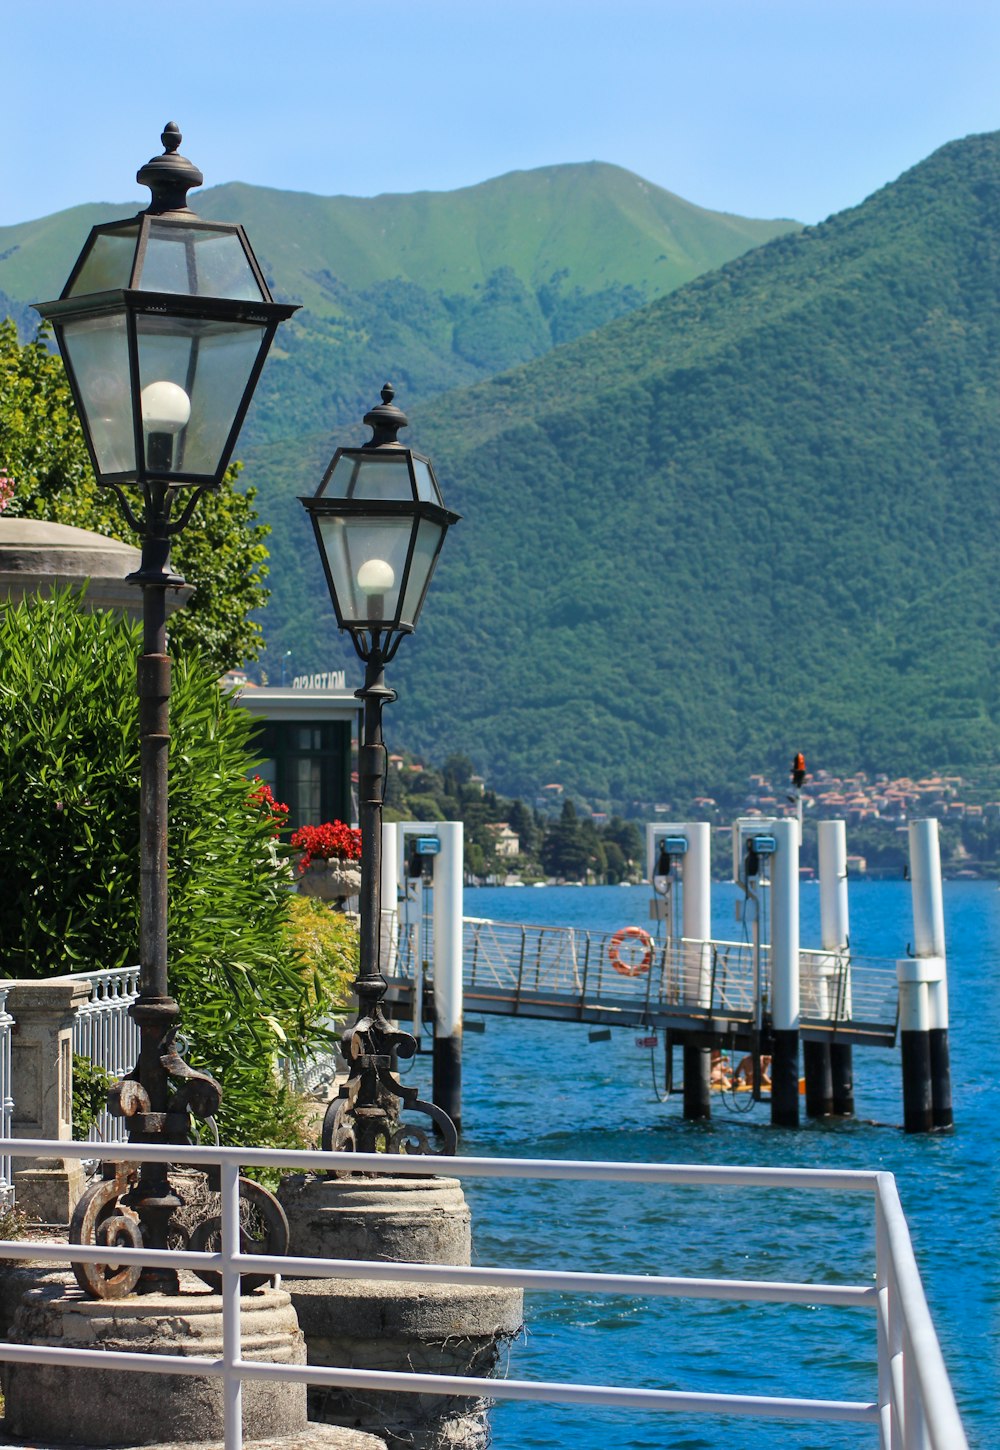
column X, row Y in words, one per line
column 376, row 577
column 166, row 407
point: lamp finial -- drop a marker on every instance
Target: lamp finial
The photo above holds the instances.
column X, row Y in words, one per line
column 385, row 421
column 170, row 176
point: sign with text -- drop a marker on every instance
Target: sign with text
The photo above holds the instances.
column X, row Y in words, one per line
column 322, row 680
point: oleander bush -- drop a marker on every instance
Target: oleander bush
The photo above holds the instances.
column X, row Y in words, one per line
column 251, row 987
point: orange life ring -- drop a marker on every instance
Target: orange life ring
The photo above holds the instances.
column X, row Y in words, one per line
column 631, row 969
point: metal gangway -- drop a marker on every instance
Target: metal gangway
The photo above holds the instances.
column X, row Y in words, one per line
column 610, row 979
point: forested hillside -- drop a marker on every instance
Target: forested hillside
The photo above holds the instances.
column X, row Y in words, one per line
column 756, row 516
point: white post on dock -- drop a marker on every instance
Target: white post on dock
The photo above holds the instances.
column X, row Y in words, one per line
column 697, row 905
column 446, row 1089
column 785, row 973
column 696, row 913
column 835, row 936
column 388, row 898
column 923, row 992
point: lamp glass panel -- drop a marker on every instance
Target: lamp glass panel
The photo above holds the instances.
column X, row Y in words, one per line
column 199, row 262
column 97, row 350
column 212, row 362
column 107, row 265
column 376, row 476
column 350, row 544
column 426, row 548
column 341, row 479
column 427, row 489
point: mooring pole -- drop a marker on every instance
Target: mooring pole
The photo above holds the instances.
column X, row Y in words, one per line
column 696, row 926
column 835, row 936
column 446, row 1074
column 785, row 974
column 923, row 992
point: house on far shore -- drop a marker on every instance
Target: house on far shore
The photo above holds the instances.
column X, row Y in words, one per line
column 507, row 842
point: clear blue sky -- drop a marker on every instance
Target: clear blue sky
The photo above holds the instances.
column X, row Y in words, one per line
column 792, row 108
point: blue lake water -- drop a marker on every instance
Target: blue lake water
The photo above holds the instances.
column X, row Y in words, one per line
column 537, row 1089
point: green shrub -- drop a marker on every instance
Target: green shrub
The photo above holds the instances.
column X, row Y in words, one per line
column 90, row 1094
column 327, row 942
column 69, row 842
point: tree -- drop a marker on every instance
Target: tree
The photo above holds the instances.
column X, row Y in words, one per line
column 564, row 850
column 42, row 452
column 521, row 820
column 69, row 835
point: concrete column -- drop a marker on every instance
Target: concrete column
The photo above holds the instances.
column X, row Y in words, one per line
column 923, row 992
column 696, row 925
column 448, row 902
column 785, row 974
column 42, row 1072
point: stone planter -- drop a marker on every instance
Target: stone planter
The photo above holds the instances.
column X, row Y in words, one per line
column 330, row 880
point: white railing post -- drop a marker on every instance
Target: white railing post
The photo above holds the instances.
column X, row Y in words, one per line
column 6, row 1096
column 232, row 1385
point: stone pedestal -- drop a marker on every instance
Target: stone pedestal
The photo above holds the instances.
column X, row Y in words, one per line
column 409, row 1220
column 434, row 1328
column 121, row 1408
column 46, row 1189
column 417, row 1328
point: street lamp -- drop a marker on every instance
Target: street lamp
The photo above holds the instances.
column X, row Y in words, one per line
column 379, row 521
column 164, row 326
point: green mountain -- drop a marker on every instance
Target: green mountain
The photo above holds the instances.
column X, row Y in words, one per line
column 438, row 288
column 756, row 516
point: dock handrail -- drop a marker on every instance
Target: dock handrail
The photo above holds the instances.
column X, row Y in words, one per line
column 914, row 1406
column 510, row 965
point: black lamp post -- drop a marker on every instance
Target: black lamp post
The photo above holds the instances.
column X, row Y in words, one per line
column 379, row 522
column 164, row 326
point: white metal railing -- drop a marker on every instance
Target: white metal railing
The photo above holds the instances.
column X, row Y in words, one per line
column 6, row 1095
column 914, row 1406
column 104, row 1032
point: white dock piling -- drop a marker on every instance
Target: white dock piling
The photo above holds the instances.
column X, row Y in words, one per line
column 446, row 1089
column 785, row 974
column 696, row 918
column 836, row 931
column 923, row 992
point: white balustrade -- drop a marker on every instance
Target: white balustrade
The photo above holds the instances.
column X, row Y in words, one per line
column 104, row 1032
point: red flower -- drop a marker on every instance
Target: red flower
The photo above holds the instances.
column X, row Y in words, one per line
column 263, row 799
column 333, row 841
